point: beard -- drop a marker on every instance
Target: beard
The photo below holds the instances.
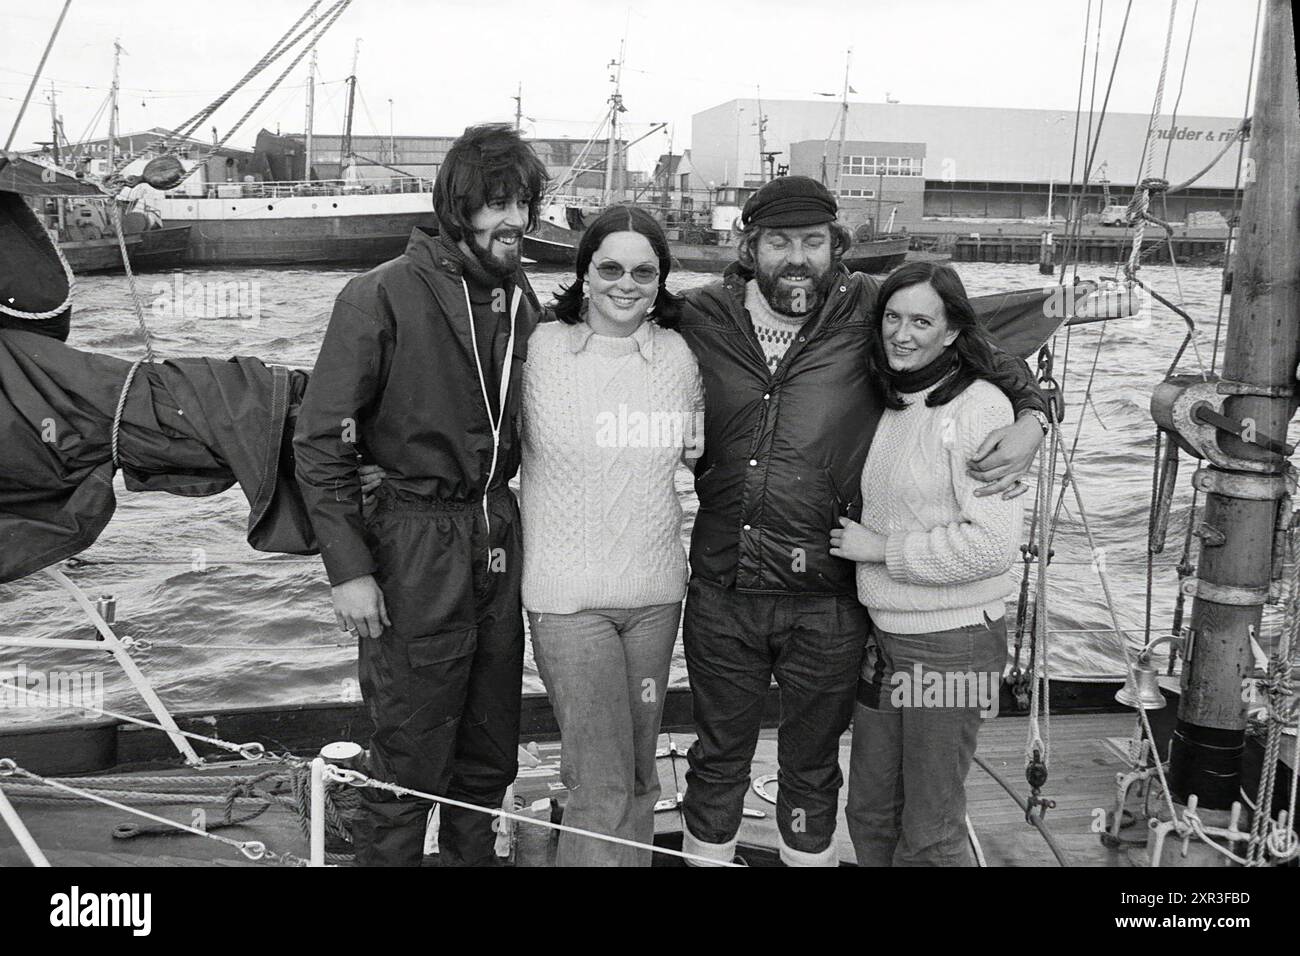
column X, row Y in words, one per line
column 797, row 303
column 495, row 266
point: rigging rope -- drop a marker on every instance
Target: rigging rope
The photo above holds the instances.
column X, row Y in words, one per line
column 1140, row 204
column 1236, row 187
column 252, row 849
column 329, row 16
column 1182, row 79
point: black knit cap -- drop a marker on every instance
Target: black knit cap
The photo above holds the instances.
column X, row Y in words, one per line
column 790, row 201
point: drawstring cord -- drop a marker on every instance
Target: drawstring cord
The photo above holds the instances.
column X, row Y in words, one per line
column 496, row 421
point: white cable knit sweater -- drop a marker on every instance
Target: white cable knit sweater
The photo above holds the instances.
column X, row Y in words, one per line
column 947, row 552
column 604, row 422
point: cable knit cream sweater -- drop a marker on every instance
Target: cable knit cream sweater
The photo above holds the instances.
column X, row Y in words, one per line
column 605, row 423
column 947, row 552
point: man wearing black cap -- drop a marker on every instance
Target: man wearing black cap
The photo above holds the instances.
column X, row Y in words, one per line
column 789, row 415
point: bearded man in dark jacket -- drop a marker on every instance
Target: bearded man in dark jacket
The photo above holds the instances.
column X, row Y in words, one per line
column 789, row 416
column 419, row 373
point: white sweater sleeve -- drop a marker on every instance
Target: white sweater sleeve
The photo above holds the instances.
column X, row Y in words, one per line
column 979, row 544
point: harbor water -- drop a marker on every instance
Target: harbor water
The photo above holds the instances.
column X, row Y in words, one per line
column 227, row 626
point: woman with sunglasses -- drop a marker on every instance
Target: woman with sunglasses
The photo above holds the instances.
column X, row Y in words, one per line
column 611, row 402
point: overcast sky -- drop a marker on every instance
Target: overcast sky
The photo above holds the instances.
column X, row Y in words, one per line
column 449, row 63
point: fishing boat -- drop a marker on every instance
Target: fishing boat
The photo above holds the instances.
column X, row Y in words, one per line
column 1189, row 763
column 351, row 220
column 87, row 238
column 85, row 228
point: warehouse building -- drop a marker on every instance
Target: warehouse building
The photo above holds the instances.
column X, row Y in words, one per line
column 928, row 163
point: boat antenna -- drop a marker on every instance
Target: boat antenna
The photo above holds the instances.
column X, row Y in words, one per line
column 49, row 44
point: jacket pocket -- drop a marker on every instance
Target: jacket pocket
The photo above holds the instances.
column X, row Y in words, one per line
column 425, row 569
column 722, row 486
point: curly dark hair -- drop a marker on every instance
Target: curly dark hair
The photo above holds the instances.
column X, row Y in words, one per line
column 667, row 308
column 486, row 162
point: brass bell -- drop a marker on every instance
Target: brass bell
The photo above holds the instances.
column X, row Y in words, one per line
column 1142, row 689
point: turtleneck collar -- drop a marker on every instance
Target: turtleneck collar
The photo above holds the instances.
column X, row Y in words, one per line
column 762, row 313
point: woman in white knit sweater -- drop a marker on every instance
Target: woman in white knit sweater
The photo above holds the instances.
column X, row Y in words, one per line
column 933, row 556
column 611, row 403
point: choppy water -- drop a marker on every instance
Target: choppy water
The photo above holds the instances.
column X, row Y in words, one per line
column 253, row 629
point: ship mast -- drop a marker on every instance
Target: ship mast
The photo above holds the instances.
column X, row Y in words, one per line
column 345, row 147
column 311, row 115
column 113, row 128
column 1246, row 481
column 844, row 123
column 611, row 185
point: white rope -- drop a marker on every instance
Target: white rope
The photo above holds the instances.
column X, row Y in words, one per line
column 357, row 779
column 254, row 751
column 57, row 310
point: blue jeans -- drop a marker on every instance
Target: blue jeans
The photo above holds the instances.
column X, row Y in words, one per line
column 921, row 701
column 606, row 672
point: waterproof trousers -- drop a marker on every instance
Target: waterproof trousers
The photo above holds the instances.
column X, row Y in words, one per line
column 442, row 684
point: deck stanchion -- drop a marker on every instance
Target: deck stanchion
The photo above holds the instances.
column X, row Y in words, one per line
column 317, row 812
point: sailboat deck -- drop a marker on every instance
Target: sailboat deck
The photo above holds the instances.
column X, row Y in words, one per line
column 1084, row 761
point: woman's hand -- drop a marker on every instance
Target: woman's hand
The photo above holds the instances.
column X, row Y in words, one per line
column 1004, row 457
column 853, row 542
column 371, row 477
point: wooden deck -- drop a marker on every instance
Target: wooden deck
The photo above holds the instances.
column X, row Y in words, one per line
column 1083, row 767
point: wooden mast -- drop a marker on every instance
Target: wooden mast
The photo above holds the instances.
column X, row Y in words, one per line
column 1245, row 487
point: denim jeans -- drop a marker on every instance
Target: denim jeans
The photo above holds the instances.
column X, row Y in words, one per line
column 606, row 672
column 735, row 643
column 921, row 701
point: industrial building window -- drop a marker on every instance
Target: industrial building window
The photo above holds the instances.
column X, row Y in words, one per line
column 878, row 165
column 858, row 193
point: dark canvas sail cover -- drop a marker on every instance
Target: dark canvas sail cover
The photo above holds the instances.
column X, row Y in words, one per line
column 32, row 278
column 1023, row 320
column 190, row 427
